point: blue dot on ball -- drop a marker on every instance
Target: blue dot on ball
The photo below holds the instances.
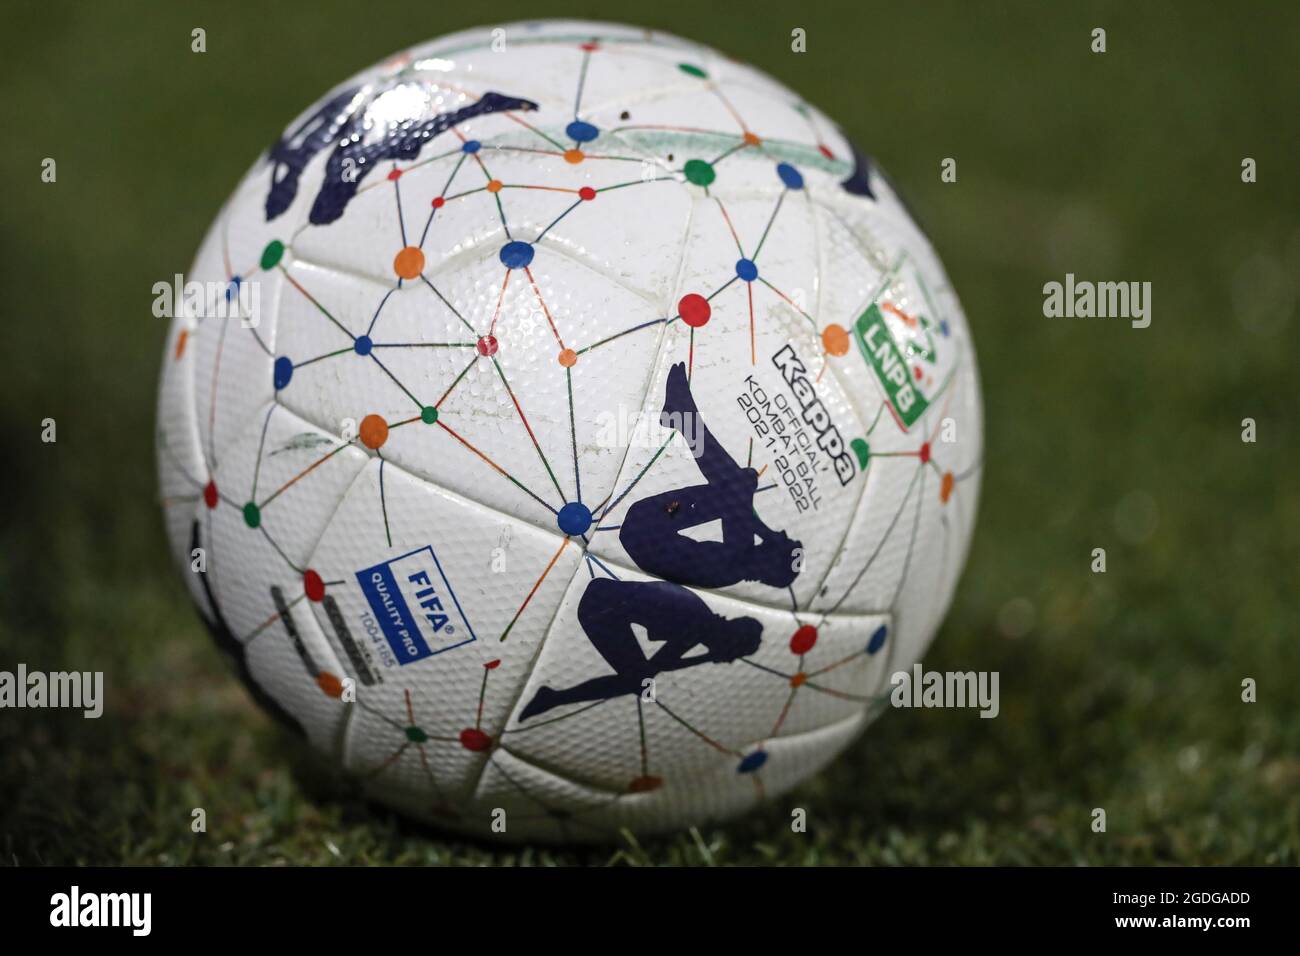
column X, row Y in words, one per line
column 877, row 640
column 581, row 132
column 746, row 269
column 516, row 255
column 943, row 327
column 471, row 146
column 574, row 518
column 232, row 290
column 363, row 345
column 283, row 371
column 792, row 178
column 752, row 762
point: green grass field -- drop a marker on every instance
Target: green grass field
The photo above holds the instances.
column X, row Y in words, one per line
column 1120, row 691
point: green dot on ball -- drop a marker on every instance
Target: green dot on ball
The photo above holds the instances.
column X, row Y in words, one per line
column 252, row 515
column 428, row 414
column 272, row 254
column 699, row 172
column 415, row 735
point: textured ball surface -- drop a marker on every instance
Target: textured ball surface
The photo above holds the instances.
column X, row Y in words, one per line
column 572, row 424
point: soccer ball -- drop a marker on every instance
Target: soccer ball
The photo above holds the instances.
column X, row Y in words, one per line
column 569, row 430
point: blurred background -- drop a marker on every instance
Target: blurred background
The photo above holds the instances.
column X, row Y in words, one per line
column 1119, row 690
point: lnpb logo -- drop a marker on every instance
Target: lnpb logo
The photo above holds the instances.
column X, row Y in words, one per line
column 882, row 354
column 415, row 606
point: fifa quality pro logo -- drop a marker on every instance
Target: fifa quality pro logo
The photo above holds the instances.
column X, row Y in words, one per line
column 414, row 606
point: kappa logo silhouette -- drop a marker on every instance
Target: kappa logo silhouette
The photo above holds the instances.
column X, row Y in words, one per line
column 673, row 616
column 352, row 122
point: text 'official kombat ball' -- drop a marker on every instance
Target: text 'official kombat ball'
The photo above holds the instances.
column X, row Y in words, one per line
column 576, row 429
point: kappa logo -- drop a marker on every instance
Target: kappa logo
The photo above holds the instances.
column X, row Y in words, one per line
column 815, row 413
column 675, row 618
column 344, row 125
column 415, row 606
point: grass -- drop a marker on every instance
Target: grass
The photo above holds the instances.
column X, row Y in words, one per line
column 1120, row 691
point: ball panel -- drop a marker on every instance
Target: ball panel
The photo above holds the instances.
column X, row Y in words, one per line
column 428, row 338
column 726, row 673
column 293, row 664
column 232, row 370
column 275, row 489
column 951, row 505
column 541, row 805
column 904, row 306
column 438, row 609
column 183, row 479
column 278, row 485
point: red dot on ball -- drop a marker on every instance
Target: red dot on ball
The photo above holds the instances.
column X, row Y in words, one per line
column 313, row 586
column 210, row 497
column 487, row 345
column 471, row 738
column 587, row 193
column 394, row 175
column 493, row 664
column 694, row 310
column 647, row 783
column 803, row 639
column 439, row 202
column 925, row 453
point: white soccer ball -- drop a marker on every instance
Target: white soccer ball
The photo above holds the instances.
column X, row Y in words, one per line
column 567, row 429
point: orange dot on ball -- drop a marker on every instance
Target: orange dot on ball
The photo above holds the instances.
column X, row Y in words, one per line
column 409, row 263
column 494, row 186
column 330, row 684
column 835, row 338
column 752, row 139
column 574, row 156
column 374, row 431
column 568, row 358
column 945, row 486
column 798, row 680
